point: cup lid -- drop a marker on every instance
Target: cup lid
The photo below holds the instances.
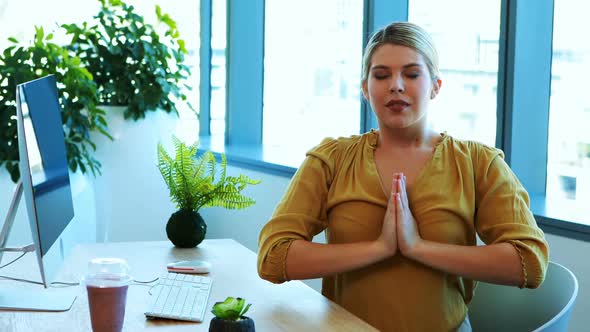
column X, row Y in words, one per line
column 107, row 272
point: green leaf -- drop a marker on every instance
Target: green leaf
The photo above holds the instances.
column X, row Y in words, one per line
column 230, row 309
column 245, row 310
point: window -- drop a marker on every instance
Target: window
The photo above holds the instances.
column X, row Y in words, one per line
column 468, row 59
column 312, row 70
column 218, row 68
column 568, row 165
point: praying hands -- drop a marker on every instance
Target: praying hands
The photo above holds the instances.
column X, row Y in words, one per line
column 399, row 231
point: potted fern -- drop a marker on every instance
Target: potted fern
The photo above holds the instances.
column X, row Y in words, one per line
column 229, row 316
column 196, row 182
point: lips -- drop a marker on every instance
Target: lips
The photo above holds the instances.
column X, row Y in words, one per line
column 397, row 105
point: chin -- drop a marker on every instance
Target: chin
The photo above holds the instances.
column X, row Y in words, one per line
column 395, row 126
column 399, row 122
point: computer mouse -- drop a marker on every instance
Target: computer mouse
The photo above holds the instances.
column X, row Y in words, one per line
column 194, row 266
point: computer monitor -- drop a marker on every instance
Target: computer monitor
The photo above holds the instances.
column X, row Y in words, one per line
column 45, row 183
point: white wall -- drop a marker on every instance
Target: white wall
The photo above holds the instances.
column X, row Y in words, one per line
column 132, row 201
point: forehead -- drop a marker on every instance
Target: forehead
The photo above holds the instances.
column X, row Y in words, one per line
column 391, row 55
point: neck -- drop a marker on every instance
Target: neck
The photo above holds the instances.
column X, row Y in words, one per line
column 412, row 138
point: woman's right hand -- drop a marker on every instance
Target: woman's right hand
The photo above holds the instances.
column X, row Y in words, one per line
column 388, row 237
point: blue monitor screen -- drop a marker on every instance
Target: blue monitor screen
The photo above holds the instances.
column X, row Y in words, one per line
column 45, row 168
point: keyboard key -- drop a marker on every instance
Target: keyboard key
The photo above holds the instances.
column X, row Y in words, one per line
column 172, row 297
column 179, row 303
column 190, row 301
column 161, row 298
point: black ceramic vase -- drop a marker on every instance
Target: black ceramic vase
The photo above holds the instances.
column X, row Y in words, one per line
column 244, row 324
column 186, row 228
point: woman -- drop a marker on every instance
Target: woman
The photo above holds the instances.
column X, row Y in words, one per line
column 401, row 207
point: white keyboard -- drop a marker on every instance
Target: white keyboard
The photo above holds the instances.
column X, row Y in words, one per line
column 180, row 296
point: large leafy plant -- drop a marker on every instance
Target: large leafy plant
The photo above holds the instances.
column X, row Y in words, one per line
column 133, row 63
column 77, row 96
column 196, row 182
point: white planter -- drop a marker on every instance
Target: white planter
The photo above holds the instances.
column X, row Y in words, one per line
column 132, row 201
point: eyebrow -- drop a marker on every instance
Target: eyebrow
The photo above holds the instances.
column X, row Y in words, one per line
column 413, row 64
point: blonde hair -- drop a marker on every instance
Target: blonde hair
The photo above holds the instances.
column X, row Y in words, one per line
column 404, row 34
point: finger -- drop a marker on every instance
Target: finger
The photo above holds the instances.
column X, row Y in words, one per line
column 398, row 206
column 394, row 188
column 405, row 193
column 400, row 179
column 393, row 185
column 392, row 199
column 391, row 204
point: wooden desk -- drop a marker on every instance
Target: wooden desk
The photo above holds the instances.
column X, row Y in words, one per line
column 291, row 306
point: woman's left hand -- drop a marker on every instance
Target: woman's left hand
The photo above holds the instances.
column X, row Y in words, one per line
column 408, row 236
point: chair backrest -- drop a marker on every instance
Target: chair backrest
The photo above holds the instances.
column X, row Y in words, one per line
column 505, row 308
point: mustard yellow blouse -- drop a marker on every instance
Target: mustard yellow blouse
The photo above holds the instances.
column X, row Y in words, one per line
column 466, row 188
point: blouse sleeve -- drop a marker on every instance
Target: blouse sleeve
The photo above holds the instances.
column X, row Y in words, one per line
column 503, row 214
column 301, row 214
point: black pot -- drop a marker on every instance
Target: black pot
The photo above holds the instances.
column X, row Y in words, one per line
column 186, row 228
column 244, row 324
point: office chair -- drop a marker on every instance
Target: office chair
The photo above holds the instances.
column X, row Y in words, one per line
column 505, row 308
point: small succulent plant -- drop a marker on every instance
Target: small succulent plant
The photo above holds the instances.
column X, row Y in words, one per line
column 231, row 309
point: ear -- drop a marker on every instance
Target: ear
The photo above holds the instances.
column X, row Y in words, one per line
column 435, row 88
column 365, row 89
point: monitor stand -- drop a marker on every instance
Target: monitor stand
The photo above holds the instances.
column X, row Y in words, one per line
column 16, row 298
column 18, row 192
column 35, row 300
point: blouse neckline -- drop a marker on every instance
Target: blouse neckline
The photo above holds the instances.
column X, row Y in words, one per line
column 373, row 139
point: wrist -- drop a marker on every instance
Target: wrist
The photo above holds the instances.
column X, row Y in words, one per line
column 381, row 250
column 415, row 251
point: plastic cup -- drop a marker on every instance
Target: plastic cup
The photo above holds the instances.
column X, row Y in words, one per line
column 106, row 283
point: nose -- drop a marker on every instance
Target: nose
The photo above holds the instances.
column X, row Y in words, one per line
column 397, row 85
